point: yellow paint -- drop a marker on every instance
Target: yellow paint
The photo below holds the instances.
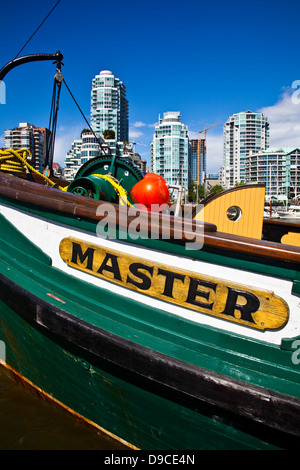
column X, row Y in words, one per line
column 249, row 199
column 251, row 307
column 291, row 238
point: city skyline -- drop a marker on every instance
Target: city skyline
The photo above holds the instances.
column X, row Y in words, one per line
column 153, row 51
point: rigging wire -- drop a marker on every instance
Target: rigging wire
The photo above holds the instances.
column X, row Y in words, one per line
column 38, row 28
column 53, row 121
column 99, row 142
column 55, row 97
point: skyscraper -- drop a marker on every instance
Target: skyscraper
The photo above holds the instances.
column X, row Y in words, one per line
column 243, row 132
column 31, row 137
column 197, row 164
column 170, row 150
column 109, row 106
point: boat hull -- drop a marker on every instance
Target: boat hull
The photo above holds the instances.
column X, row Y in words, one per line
column 143, row 398
column 153, row 373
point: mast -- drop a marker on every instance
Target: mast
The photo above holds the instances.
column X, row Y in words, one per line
column 57, row 58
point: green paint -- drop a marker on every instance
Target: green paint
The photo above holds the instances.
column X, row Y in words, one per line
column 139, row 416
column 136, row 415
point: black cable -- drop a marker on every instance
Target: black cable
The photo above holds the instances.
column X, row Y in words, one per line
column 53, row 124
column 102, row 148
column 38, row 28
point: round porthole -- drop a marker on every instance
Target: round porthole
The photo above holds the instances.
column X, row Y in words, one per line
column 234, row 213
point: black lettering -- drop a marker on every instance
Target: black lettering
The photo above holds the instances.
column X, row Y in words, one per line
column 77, row 253
column 251, row 306
column 146, row 281
column 170, row 277
column 113, row 268
column 194, row 292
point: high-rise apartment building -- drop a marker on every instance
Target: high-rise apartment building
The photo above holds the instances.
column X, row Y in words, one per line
column 278, row 169
column 197, row 165
column 243, row 132
column 170, row 150
column 109, row 106
column 32, row 138
column 88, row 147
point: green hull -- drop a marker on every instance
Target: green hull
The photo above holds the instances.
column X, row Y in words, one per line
column 151, row 379
column 114, row 400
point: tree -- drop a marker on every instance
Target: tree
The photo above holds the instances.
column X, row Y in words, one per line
column 109, row 134
column 216, row 189
column 194, row 191
column 84, row 131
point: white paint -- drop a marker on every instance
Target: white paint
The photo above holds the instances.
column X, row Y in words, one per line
column 47, row 235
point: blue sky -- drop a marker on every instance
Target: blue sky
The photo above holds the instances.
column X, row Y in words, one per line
column 206, row 59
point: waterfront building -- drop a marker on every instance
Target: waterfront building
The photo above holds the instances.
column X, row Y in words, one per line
column 170, row 150
column 72, row 160
column 88, row 147
column 197, row 164
column 31, row 137
column 210, row 180
column 109, row 106
column 134, row 157
column 243, row 133
column 278, row 169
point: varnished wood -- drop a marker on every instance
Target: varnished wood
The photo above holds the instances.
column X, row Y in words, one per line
column 44, row 197
column 254, row 308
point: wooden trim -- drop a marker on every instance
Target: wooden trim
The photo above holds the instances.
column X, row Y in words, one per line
column 70, row 204
column 211, row 197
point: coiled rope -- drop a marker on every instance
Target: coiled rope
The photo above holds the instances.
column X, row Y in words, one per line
column 121, row 192
column 16, row 161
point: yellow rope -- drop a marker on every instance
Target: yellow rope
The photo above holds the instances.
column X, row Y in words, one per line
column 16, row 161
column 121, row 192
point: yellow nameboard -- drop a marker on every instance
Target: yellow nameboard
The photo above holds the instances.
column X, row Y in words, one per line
column 255, row 308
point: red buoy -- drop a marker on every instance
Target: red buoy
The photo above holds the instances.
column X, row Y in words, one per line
column 151, row 192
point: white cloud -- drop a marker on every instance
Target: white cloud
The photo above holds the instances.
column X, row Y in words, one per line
column 214, row 150
column 133, row 134
column 139, row 124
column 63, row 141
column 284, row 119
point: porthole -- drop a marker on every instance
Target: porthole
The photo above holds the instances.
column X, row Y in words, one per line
column 234, row 213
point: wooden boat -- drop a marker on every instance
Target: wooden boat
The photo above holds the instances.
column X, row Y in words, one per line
column 163, row 331
column 293, row 212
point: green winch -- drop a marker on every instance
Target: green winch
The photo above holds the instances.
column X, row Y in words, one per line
column 109, row 178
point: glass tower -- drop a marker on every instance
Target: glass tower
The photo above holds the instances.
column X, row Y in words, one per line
column 243, row 133
column 198, row 160
column 170, row 150
column 109, row 106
